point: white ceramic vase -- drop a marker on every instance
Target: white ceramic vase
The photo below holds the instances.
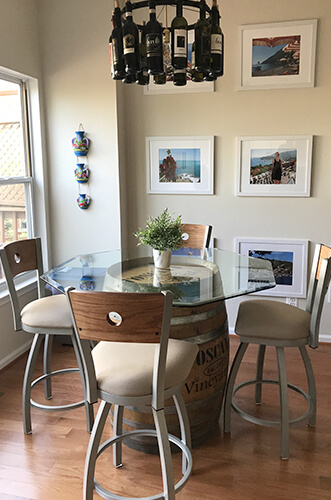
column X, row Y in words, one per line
column 162, row 259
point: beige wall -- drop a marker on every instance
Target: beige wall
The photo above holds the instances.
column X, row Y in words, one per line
column 19, row 42
column 78, row 89
column 19, row 52
column 226, row 114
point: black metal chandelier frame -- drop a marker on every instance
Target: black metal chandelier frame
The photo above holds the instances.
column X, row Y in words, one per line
column 195, row 4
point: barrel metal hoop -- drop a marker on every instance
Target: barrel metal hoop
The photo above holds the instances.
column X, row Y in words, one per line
column 271, row 423
column 209, row 336
column 195, row 318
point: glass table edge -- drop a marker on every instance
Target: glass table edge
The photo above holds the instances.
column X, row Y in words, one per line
column 57, row 286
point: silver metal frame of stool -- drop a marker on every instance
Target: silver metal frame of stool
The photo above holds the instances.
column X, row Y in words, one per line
column 18, row 257
column 319, row 281
column 94, row 451
column 271, row 423
column 29, row 383
column 284, row 421
column 142, row 318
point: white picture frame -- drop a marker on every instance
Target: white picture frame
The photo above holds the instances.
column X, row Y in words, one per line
column 261, row 66
column 289, row 263
column 189, row 88
column 255, row 161
column 192, row 172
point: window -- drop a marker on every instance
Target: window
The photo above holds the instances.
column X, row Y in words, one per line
column 15, row 168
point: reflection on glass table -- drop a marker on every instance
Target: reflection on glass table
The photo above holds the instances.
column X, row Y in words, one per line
column 195, row 277
column 200, row 281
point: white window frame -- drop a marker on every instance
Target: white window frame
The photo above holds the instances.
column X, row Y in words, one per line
column 34, row 183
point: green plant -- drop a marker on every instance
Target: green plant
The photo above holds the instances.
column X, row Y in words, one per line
column 162, row 233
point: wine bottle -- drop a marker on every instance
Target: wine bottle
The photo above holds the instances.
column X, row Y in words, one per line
column 179, row 38
column 142, row 75
column 130, row 78
column 217, row 40
column 130, row 42
column 202, row 38
column 166, row 52
column 196, row 76
column 167, row 68
column 208, row 76
column 111, row 45
column 118, row 72
column 180, row 78
column 154, row 49
column 160, row 79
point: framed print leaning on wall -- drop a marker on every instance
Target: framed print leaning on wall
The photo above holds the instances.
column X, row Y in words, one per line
column 180, row 165
column 274, row 166
column 277, row 55
column 288, row 259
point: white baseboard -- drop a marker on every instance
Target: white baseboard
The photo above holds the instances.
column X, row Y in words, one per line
column 15, row 354
column 323, row 337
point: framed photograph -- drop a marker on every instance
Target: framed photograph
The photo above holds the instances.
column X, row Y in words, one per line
column 288, row 259
column 277, row 55
column 274, row 166
column 180, row 165
column 170, row 88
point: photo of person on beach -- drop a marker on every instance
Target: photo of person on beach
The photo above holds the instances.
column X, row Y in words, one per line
column 273, row 166
column 277, row 169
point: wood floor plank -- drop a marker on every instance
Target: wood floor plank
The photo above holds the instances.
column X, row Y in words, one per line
column 48, row 465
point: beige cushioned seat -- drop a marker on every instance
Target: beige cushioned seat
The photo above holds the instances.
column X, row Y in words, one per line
column 268, row 319
column 48, row 312
column 127, row 369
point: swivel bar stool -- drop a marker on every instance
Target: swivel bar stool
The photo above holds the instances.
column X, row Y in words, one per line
column 135, row 363
column 273, row 323
column 43, row 317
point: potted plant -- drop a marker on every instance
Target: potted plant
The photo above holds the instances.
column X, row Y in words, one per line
column 163, row 234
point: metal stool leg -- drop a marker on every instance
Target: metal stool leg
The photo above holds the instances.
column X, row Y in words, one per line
column 230, row 385
column 311, row 384
column 283, row 391
column 47, row 365
column 92, row 449
column 184, row 424
column 165, row 454
column 88, row 406
column 117, row 431
column 259, row 374
column 29, row 369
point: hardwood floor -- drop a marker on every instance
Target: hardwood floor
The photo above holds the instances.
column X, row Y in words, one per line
column 48, row 465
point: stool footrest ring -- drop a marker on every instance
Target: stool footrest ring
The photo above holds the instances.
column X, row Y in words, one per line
column 271, row 423
column 40, row 406
column 145, row 432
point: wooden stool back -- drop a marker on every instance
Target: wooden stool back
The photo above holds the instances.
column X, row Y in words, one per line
column 196, row 236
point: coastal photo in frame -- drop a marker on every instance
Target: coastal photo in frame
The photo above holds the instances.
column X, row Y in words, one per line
column 170, row 88
column 288, row 259
column 277, row 55
column 274, row 165
column 180, row 165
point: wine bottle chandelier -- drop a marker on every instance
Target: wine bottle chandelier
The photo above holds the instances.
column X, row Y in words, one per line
column 141, row 52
